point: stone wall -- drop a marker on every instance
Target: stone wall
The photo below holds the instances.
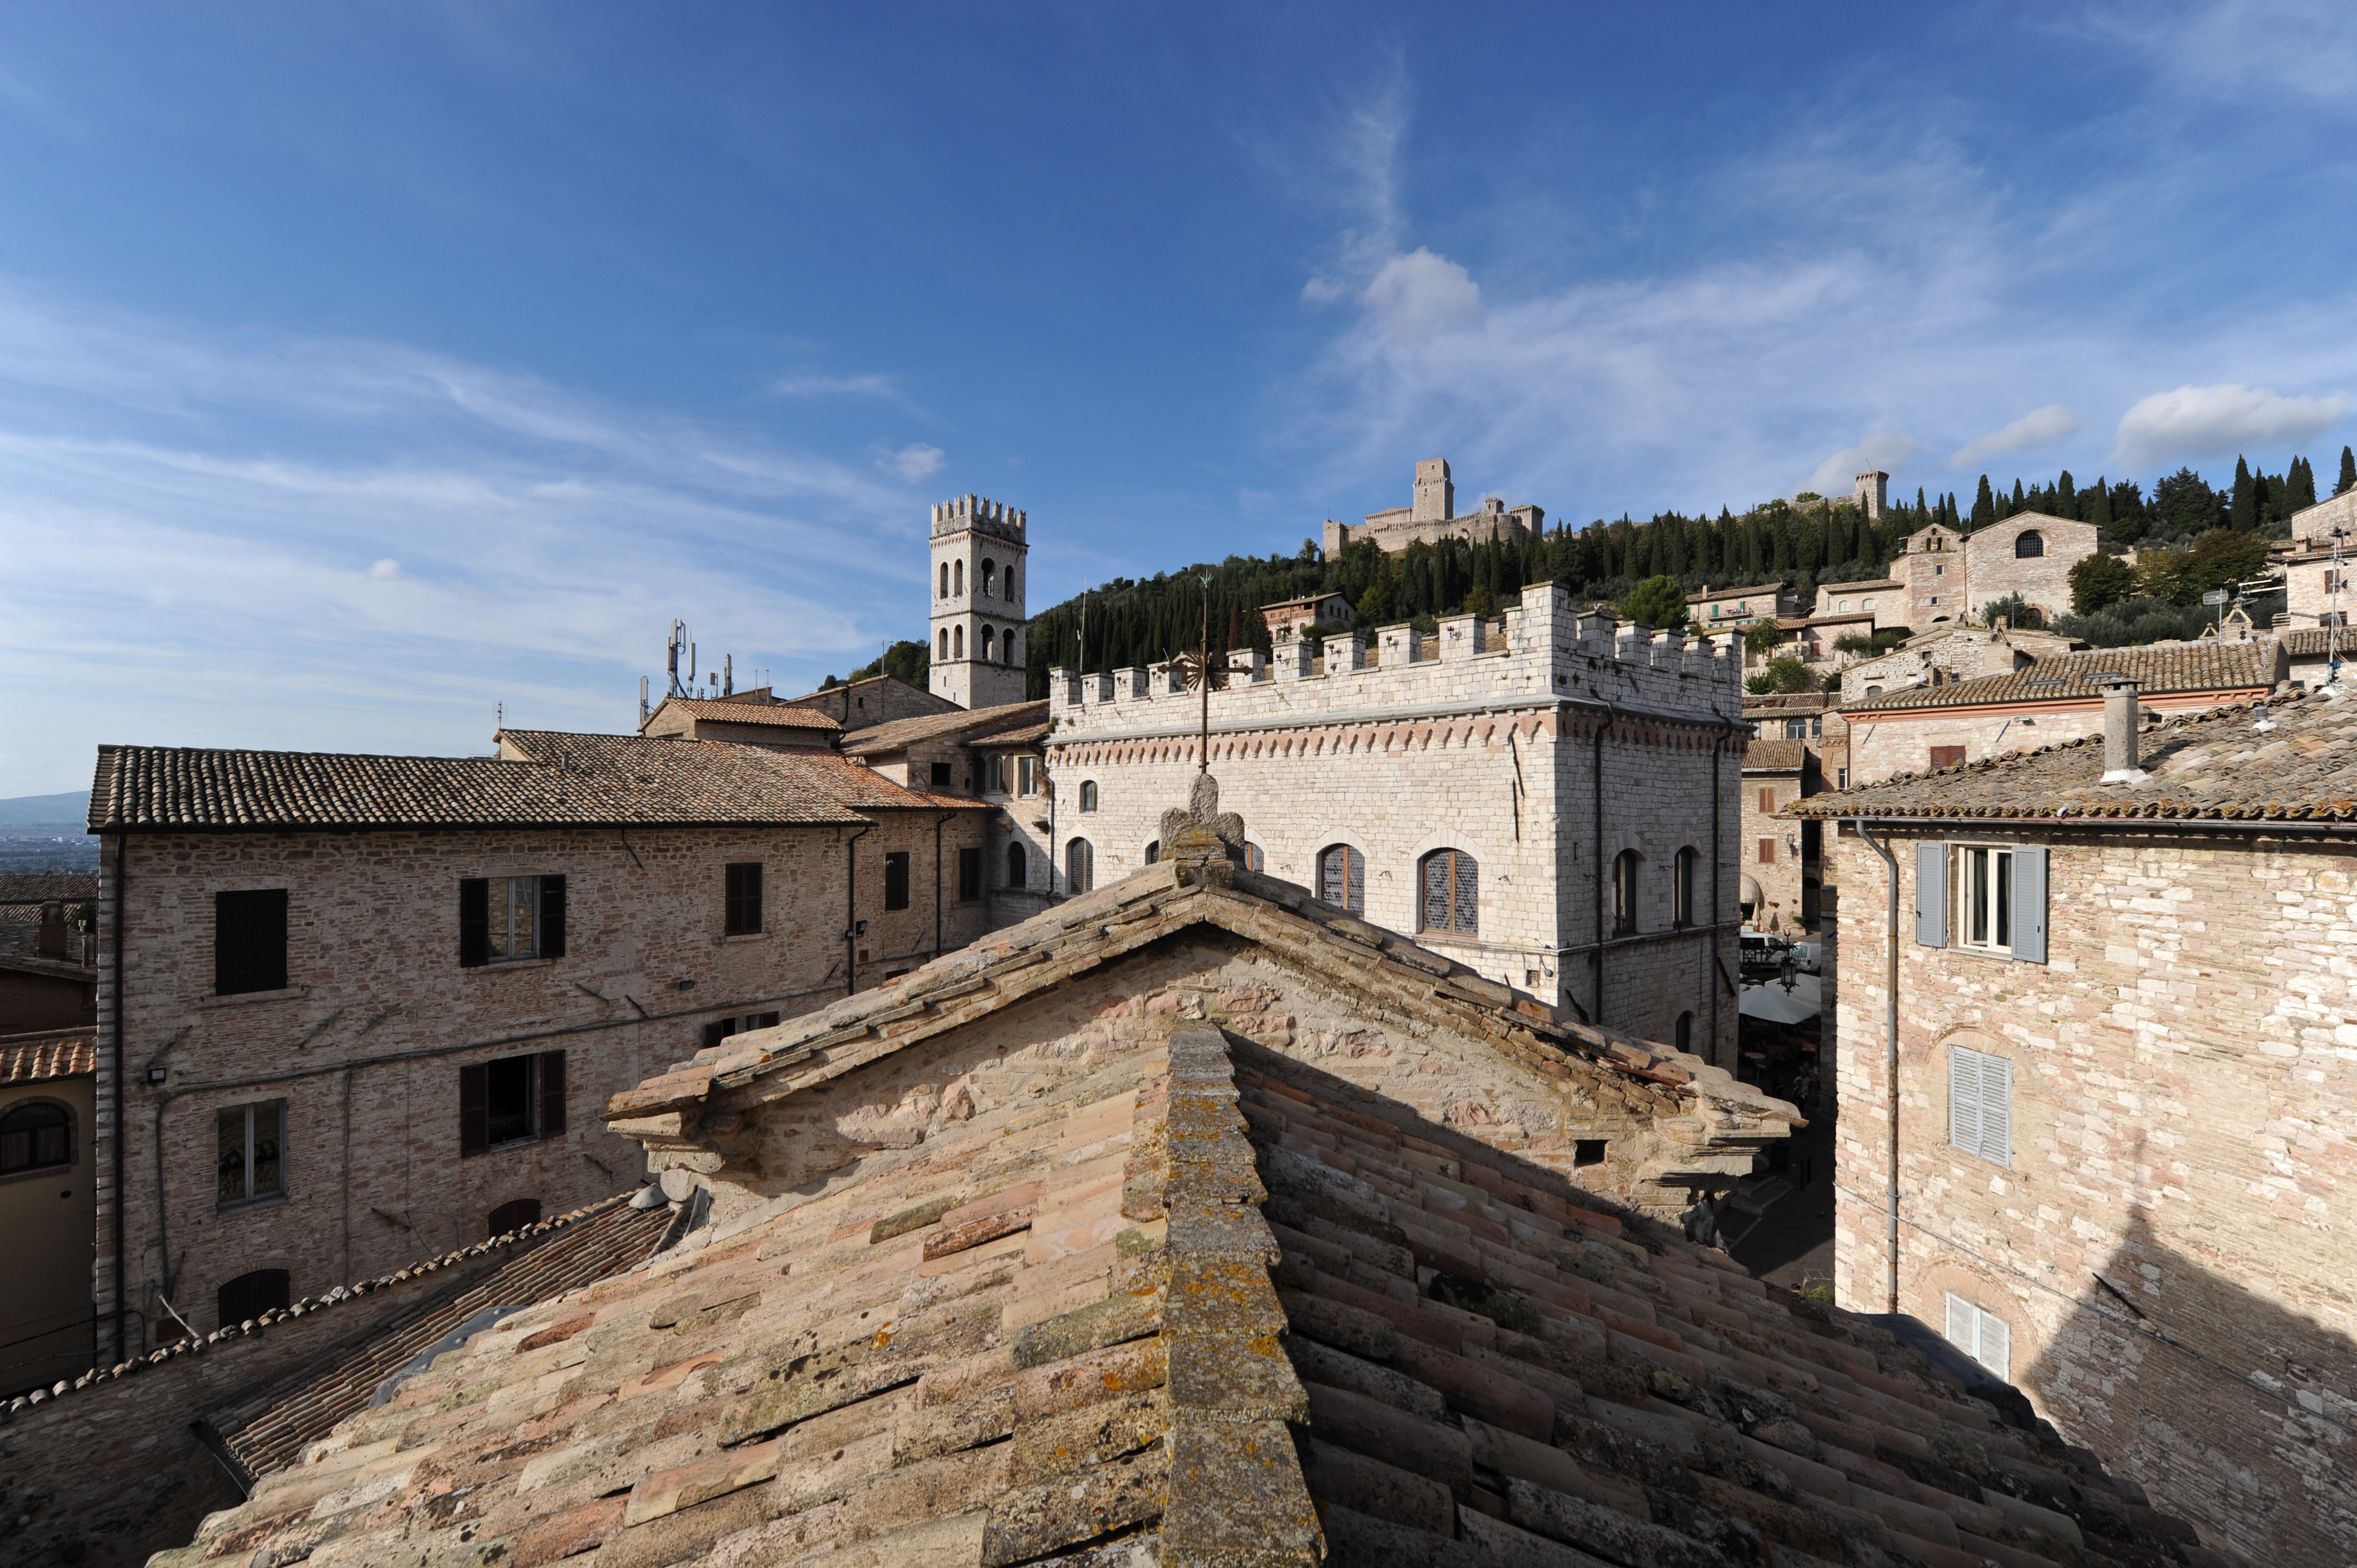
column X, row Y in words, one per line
column 1950, row 575
column 1771, row 848
column 1900, row 740
column 1491, row 748
column 364, row 1049
column 2170, row 1246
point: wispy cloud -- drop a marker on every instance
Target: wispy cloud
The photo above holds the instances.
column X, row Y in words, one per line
column 1882, row 450
column 912, row 463
column 2037, row 429
column 2210, row 422
column 812, row 385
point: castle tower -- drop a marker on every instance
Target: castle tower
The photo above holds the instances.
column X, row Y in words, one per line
column 978, row 577
column 1873, row 492
column 1436, row 493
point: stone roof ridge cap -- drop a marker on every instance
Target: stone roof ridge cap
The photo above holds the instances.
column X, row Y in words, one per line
column 336, row 1295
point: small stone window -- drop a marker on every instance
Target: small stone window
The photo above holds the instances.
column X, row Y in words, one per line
column 957, row 580
column 1768, row 800
column 249, row 941
column 1625, row 871
column 1079, row 866
column 945, row 580
column 1253, row 859
column 1686, row 911
column 1451, row 884
column 1153, row 852
column 957, row 639
column 1684, row 1033
column 741, row 895
column 939, row 773
column 1342, row 877
column 969, row 874
column 985, row 645
column 1088, row 794
column 1980, row 1334
column 989, row 578
column 1587, row 1150
column 896, row 879
column 1018, row 867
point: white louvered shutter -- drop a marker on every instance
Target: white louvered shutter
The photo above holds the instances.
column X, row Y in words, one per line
column 2030, row 904
column 1995, row 1351
column 1997, row 1109
column 1964, row 1327
column 1932, row 895
column 1965, row 1099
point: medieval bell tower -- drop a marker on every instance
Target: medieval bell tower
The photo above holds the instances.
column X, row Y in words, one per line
column 978, row 577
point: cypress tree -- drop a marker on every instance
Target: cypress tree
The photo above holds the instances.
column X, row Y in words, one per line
column 2348, row 473
column 2303, row 483
column 2243, row 513
column 2016, row 506
column 2099, row 505
column 1984, row 505
column 2066, row 497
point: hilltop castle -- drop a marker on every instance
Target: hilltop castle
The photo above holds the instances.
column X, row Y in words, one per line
column 1431, row 517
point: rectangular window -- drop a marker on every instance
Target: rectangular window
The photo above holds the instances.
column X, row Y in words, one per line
column 1947, row 757
column 1817, row 727
column 506, row 919
column 896, row 879
column 1026, row 774
column 1984, row 877
column 997, row 774
column 1767, row 852
column 1980, row 1334
column 969, row 886
column 510, row 1101
column 1841, row 777
column 941, row 774
column 742, row 893
column 722, row 1028
column 1980, row 1105
column 249, row 1140
column 249, row 941
column 1796, row 729
column 1768, row 800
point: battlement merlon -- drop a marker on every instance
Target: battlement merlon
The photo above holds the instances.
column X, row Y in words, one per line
column 979, row 514
column 1548, row 652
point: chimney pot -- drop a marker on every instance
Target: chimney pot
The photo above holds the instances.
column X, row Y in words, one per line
column 2121, row 718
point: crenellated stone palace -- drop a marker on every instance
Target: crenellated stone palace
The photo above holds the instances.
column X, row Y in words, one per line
column 1551, row 798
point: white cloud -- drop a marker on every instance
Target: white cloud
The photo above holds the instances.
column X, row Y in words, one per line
column 2208, row 422
column 386, row 570
column 1887, row 450
column 1420, row 293
column 912, row 463
column 813, row 385
column 2256, row 51
column 2039, row 427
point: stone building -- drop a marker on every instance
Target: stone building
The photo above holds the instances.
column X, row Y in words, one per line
column 2123, row 1097
column 1551, row 798
column 1882, row 600
column 1432, row 516
column 1925, row 729
column 1719, row 611
column 357, row 1009
column 877, row 700
column 1145, row 1233
column 979, row 570
column 48, row 1198
column 1778, row 885
column 1950, row 575
column 1288, row 618
column 1872, row 493
column 1954, row 651
column 747, row 718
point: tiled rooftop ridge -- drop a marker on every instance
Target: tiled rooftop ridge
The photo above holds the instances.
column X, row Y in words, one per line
column 1495, row 1376
column 46, row 1054
column 1549, row 652
column 2159, row 669
column 2216, row 766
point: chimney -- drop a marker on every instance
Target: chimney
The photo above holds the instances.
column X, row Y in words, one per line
column 2120, row 720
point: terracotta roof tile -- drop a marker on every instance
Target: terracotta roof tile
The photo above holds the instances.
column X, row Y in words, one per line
column 738, row 711
column 1775, row 756
column 971, row 724
column 39, row 886
column 2216, row 766
column 563, row 780
column 2159, row 668
column 49, row 1054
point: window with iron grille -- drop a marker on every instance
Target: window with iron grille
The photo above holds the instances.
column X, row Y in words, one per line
column 1451, row 884
column 743, row 896
column 1342, row 877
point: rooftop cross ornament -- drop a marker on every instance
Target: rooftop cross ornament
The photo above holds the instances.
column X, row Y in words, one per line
column 1202, row 675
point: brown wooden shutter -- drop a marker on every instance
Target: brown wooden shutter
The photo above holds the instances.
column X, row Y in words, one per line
column 474, row 1108
column 474, row 922
column 552, row 917
column 551, row 1091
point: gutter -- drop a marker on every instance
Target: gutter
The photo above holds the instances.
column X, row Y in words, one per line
column 851, row 909
column 122, row 1240
column 1891, row 1054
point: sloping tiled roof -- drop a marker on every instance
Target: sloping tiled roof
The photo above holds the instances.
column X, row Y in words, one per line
column 48, row 1054
column 2159, row 668
column 969, row 724
column 1775, row 756
column 269, row 1427
column 39, row 886
column 569, row 781
column 1219, row 1309
column 1029, row 734
column 736, row 711
column 1854, row 587
column 2216, row 767
column 2309, row 641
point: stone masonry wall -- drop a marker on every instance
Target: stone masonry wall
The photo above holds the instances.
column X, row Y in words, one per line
column 365, row 1048
column 1488, row 748
column 1900, row 740
column 1779, row 875
column 2171, row 1245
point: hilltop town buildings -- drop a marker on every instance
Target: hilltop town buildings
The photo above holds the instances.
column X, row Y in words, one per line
column 1432, row 516
column 2121, row 972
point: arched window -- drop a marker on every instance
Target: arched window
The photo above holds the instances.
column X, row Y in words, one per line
column 1253, row 859
column 957, row 578
column 1342, row 877
column 1624, row 891
column 945, row 579
column 989, row 578
column 515, row 1216
column 1452, row 887
column 945, row 653
column 1079, row 866
column 35, row 1135
column 248, row 1297
column 2028, row 544
column 1010, row 584
column 958, row 642
column 1006, row 647
column 1153, row 852
column 1018, row 867
column 985, row 645
column 1687, row 912
column 1088, row 794
column 1684, row 1040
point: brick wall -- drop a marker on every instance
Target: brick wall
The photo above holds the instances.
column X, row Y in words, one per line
column 2183, row 1092
column 365, row 1048
column 1470, row 751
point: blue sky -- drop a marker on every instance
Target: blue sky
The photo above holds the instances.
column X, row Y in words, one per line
column 364, row 367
